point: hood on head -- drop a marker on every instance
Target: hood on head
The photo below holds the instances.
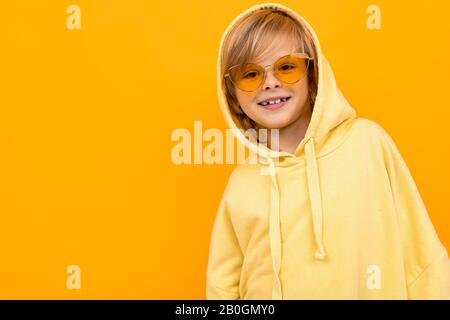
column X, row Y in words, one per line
column 330, row 107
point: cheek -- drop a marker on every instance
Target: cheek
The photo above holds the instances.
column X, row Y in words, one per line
column 301, row 92
column 301, row 88
column 246, row 101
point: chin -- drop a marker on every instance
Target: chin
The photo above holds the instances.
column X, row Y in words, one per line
column 278, row 123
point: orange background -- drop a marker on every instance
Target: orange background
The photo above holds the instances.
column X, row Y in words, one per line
column 86, row 117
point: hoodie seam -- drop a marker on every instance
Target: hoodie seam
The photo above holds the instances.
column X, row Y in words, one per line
column 425, row 269
column 342, row 141
column 338, row 144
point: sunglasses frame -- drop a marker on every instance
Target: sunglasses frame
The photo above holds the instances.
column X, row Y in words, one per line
column 301, row 54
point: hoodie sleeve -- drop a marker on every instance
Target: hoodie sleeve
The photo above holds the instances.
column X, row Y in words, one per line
column 426, row 260
column 225, row 256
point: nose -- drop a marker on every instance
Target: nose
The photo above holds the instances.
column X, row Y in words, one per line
column 270, row 80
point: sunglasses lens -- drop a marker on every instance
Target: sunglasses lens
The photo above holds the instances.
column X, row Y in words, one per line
column 291, row 69
column 288, row 69
column 247, row 77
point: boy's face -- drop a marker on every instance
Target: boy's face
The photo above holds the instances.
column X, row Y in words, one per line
column 283, row 114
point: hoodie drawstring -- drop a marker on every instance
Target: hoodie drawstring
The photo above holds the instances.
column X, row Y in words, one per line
column 312, row 175
column 274, row 232
column 315, row 198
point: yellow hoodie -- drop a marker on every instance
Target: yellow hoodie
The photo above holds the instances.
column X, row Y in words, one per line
column 340, row 219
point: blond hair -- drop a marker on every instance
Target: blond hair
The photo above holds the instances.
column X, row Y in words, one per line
column 250, row 38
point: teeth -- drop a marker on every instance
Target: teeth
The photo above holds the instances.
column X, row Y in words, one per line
column 265, row 103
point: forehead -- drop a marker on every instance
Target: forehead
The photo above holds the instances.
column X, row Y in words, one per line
column 281, row 46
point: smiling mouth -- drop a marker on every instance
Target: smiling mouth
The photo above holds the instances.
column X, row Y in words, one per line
column 273, row 101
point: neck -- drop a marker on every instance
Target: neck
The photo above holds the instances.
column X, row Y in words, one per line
column 291, row 135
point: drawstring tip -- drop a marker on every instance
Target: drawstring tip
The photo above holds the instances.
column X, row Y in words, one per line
column 319, row 255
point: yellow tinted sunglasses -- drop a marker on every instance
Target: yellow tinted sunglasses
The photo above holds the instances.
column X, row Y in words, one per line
column 289, row 69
